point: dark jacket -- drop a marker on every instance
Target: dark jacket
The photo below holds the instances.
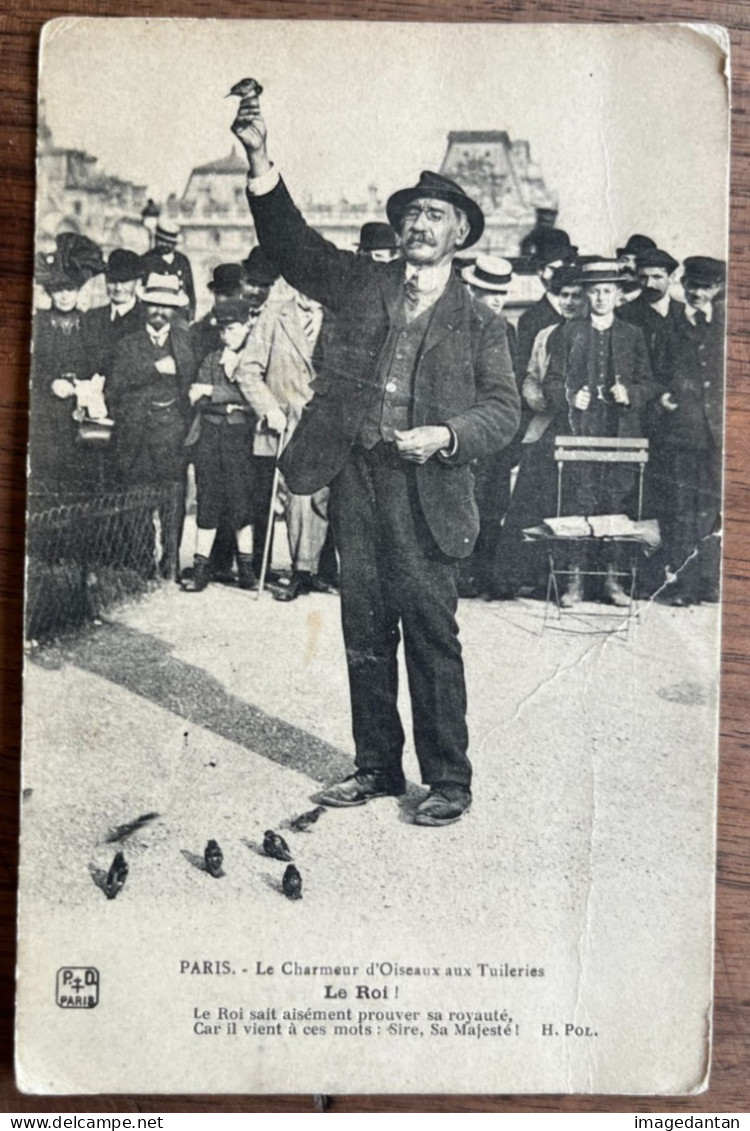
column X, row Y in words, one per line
column 464, row 376
column 656, row 330
column 697, row 385
column 101, row 334
column 631, row 367
column 536, row 318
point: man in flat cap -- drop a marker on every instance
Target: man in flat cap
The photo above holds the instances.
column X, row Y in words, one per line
column 416, row 383
column 693, row 434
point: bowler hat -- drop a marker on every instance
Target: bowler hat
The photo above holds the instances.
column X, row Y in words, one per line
column 233, row 310
column 601, row 271
column 163, row 290
column 227, row 279
column 259, row 270
column 655, row 257
column 551, row 245
column 434, row 186
column 377, row 236
column 489, row 273
column 123, row 266
column 704, row 270
column 635, row 245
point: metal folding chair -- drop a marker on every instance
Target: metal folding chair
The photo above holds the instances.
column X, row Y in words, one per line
column 595, row 449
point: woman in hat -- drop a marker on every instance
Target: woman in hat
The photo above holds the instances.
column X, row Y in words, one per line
column 60, row 361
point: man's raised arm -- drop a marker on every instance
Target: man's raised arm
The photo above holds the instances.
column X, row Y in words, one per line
column 310, row 263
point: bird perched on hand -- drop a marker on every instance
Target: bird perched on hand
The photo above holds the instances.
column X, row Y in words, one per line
column 116, row 876
column 246, row 88
column 275, row 845
column 213, row 858
column 291, row 884
column 248, row 91
column 302, row 823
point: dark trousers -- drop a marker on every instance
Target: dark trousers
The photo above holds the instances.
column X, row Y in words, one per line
column 692, row 531
column 263, row 489
column 392, row 573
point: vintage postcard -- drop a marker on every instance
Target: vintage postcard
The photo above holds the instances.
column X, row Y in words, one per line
column 373, row 561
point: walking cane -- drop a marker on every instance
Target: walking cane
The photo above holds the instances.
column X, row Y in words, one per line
column 269, row 528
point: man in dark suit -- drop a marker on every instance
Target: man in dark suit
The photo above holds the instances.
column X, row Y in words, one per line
column 693, row 427
column 103, row 326
column 148, row 398
column 552, row 250
column 654, row 311
column 416, row 383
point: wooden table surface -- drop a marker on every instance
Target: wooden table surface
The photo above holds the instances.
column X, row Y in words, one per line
column 20, row 24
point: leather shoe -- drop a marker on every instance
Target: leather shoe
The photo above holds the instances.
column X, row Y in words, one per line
column 443, row 805
column 360, row 788
column 299, row 586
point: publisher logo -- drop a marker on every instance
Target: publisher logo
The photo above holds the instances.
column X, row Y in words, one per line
column 77, row 987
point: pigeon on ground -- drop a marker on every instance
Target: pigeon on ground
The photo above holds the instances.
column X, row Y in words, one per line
column 213, row 858
column 116, row 876
column 246, row 88
column 302, row 823
column 291, row 884
column 275, row 845
column 123, row 831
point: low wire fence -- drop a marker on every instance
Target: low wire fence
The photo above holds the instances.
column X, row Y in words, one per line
column 84, row 556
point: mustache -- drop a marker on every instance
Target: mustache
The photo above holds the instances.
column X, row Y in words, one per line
column 419, row 237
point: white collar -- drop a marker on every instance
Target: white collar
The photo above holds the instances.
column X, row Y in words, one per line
column 120, row 310
column 602, row 321
column 431, row 278
column 691, row 311
column 662, row 306
column 158, row 337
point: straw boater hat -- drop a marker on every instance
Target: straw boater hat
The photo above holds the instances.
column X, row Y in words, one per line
column 167, row 232
column 163, row 290
column 434, row 186
column 602, row 271
column 489, row 273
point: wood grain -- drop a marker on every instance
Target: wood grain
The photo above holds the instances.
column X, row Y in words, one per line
column 19, row 31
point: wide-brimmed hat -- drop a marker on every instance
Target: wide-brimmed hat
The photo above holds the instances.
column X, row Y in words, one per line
column 550, row 245
column 167, row 231
column 489, row 273
column 635, row 245
column 655, row 257
column 75, row 260
column 123, row 266
column 377, row 236
column 227, row 279
column 232, row 310
column 434, row 186
column 259, row 270
column 704, row 270
column 602, row 271
column 163, row 290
